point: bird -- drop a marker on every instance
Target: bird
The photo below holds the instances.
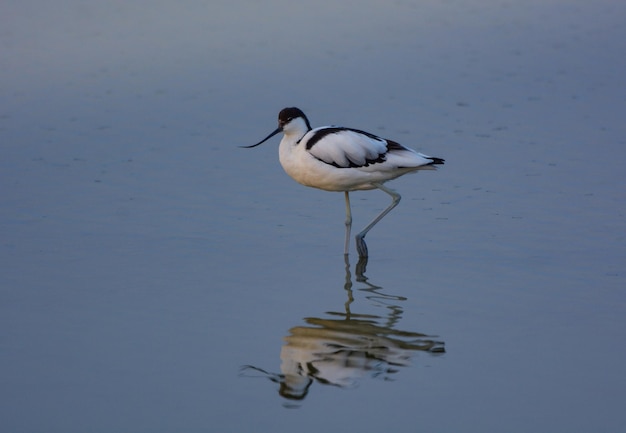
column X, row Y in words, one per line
column 341, row 159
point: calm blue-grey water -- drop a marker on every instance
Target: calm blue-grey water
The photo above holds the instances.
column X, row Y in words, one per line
column 155, row 277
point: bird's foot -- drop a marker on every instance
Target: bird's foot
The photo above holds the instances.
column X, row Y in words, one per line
column 361, row 247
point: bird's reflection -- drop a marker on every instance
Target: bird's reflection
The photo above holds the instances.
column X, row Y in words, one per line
column 344, row 347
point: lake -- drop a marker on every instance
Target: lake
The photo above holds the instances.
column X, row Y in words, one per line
column 157, row 277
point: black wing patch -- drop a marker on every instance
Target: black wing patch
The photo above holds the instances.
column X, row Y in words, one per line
column 323, row 132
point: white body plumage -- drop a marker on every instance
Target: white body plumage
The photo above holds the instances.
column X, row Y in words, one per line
column 343, row 159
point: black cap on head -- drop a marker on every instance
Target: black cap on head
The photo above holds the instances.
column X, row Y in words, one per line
column 290, row 113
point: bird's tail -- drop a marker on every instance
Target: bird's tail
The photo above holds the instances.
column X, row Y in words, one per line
column 435, row 160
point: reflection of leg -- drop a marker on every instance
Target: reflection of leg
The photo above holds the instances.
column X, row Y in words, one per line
column 347, row 286
column 360, row 242
column 348, row 223
column 361, row 268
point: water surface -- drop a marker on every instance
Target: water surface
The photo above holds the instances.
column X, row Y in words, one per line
column 156, row 277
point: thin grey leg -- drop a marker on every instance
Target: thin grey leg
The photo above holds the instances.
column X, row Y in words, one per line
column 361, row 247
column 348, row 223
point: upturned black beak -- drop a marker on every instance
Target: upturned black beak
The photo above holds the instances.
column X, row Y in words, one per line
column 279, row 129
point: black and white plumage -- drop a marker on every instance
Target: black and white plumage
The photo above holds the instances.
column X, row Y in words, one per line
column 335, row 158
